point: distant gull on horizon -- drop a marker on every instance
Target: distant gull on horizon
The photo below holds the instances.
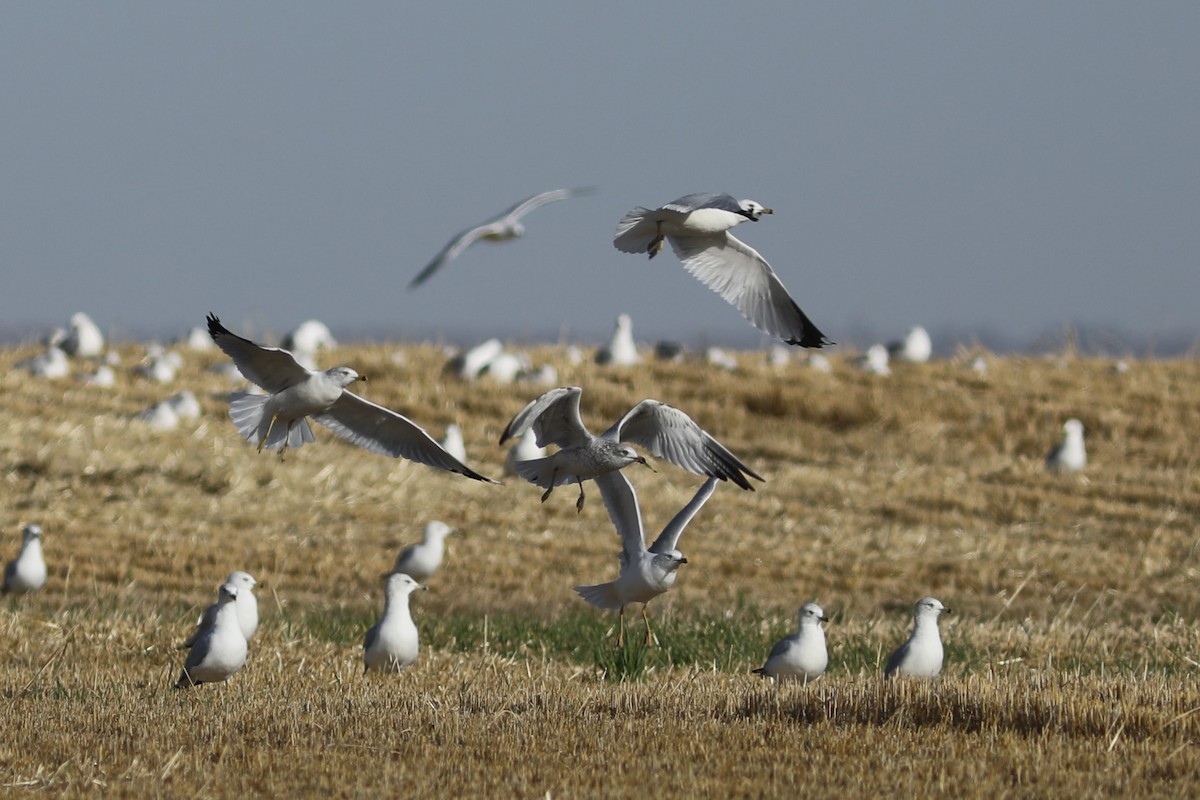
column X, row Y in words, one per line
column 664, row 430
column 645, row 572
column 921, row 655
column 697, row 225
column 1069, row 455
column 277, row 420
column 621, row 350
column 501, row 228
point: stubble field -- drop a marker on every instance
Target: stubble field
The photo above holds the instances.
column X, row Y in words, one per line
column 1072, row 651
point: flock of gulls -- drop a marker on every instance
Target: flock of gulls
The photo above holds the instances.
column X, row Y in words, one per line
column 293, row 393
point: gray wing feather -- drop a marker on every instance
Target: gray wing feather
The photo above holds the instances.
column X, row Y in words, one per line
column 668, row 540
column 387, row 433
column 669, row 433
column 272, row 368
column 736, row 271
column 554, row 417
column 530, row 203
column 621, row 501
column 893, row 662
column 203, row 625
column 697, row 200
column 452, row 250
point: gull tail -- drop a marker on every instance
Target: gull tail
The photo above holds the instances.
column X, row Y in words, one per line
column 541, row 471
column 635, row 232
column 602, row 595
column 248, row 414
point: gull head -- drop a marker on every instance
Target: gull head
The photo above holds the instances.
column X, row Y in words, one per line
column 630, row 456
column 32, row 531
column 812, row 614
column 399, row 584
column 241, row 580
column 228, row 592
column 1073, row 429
column 752, row 210
column 437, row 530
column 669, row 561
column 929, row 608
column 343, row 376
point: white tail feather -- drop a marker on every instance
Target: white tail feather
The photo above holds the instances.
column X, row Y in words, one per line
column 602, row 595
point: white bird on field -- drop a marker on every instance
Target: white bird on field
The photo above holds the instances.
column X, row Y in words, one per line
column 1069, row 455
column 27, row 572
column 421, row 560
column 277, row 419
column 501, row 228
column 51, row 363
column 307, row 339
column 161, row 416
column 875, row 361
column 665, row 431
column 83, row 339
column 245, row 604
column 621, row 350
column 916, row 348
column 219, row 650
column 453, row 442
column 921, row 655
column 697, row 226
column 526, row 449
column 801, row 655
column 392, row 643
column 185, row 404
column 645, row 572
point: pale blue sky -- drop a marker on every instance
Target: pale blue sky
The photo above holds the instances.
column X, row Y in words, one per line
column 1004, row 167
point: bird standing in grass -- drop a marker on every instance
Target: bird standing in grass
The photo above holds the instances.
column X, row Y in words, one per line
column 802, row 655
column 1069, row 455
column 219, row 650
column 27, row 572
column 921, row 655
column 392, row 643
column 246, row 603
column 421, row 560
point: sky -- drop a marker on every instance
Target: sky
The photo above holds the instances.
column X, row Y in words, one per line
column 988, row 170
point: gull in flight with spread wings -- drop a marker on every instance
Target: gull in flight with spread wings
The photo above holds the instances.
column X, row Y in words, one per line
column 697, row 225
column 645, row 572
column 664, row 430
column 500, row 228
column 277, row 420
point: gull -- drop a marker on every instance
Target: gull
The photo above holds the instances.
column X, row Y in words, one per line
column 664, row 430
column 245, row 604
column 453, row 442
column 392, row 643
column 645, row 572
column 500, row 228
column 420, row 561
column 1069, row 455
column 697, row 226
column 52, row 363
column 526, row 449
column 921, row 655
column 916, row 348
column 802, row 655
column 185, row 404
column 621, row 350
column 306, row 339
column 219, row 650
column 278, row 419
column 875, row 361
column 27, row 572
column 84, row 339
column 161, row 416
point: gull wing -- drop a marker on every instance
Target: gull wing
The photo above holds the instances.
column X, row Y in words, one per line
column 454, row 248
column 387, row 433
column 554, row 417
column 668, row 540
column 272, row 368
column 530, row 203
column 621, row 501
column 697, row 200
column 669, row 433
column 735, row 270
column 203, row 626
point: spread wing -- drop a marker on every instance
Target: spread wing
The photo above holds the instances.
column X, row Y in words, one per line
column 454, row 248
column 668, row 540
column 554, row 417
column 387, row 433
column 697, row 200
column 553, row 196
column 621, row 501
column 669, row 433
column 736, row 272
column 272, row 368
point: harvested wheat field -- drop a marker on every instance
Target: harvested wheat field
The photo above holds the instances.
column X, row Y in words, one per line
column 1071, row 656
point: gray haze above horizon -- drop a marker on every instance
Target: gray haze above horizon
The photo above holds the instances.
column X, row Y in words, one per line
column 992, row 169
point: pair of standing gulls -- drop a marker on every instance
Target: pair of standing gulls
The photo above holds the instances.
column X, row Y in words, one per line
column 219, row 645
column 697, row 226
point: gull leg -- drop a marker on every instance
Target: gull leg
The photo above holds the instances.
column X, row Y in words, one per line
column 651, row 639
column 656, row 244
column 267, row 435
column 286, row 439
column 549, row 489
column 621, row 631
column 579, row 502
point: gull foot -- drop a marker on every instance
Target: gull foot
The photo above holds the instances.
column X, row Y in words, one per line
column 655, row 247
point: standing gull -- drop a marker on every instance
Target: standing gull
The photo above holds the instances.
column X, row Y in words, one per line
column 1069, row 455
column 421, row 560
column 246, row 605
column 802, row 655
column 219, row 650
column 500, row 228
column 392, row 643
column 697, row 226
column 27, row 572
column 277, row 420
column 645, row 573
column 665, row 431
column 921, row 655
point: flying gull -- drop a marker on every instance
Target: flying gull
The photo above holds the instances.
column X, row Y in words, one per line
column 697, row 226
column 500, row 228
column 645, row 572
column 277, row 420
column 664, row 430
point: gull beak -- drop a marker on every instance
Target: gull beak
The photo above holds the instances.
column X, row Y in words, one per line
column 683, row 561
column 646, row 464
column 767, row 211
column 362, row 378
column 423, row 587
column 945, row 611
column 823, row 619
